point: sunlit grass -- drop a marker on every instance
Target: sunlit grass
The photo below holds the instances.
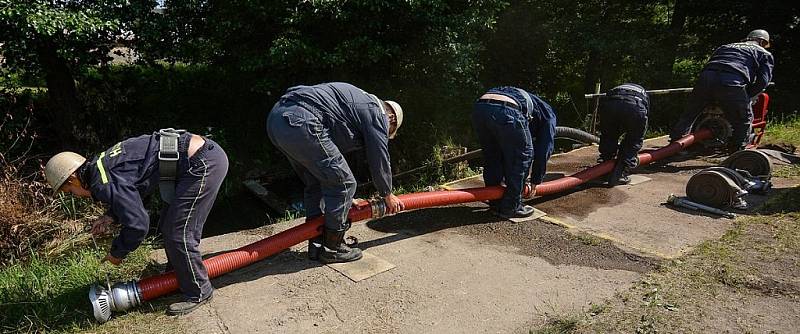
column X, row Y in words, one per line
column 50, row 294
column 786, row 130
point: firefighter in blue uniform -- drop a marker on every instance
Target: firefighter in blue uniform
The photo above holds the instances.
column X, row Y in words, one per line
column 735, row 75
column 513, row 127
column 313, row 126
column 623, row 111
column 188, row 170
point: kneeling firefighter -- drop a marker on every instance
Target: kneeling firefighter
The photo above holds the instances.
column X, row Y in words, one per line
column 188, row 170
column 313, row 126
column 623, row 111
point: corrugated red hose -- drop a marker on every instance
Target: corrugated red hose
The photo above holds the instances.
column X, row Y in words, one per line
column 156, row 286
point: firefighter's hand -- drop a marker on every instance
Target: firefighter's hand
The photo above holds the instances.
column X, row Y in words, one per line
column 102, row 226
column 532, row 191
column 393, row 204
column 111, row 259
column 359, row 202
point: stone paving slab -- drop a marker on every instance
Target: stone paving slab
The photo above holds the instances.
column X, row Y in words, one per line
column 370, row 265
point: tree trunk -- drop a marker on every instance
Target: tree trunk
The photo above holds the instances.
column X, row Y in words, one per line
column 594, row 65
column 593, row 70
column 62, row 91
column 679, row 14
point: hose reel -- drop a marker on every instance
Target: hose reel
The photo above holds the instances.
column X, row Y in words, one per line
column 713, row 188
column 755, row 162
column 713, row 118
column 723, row 187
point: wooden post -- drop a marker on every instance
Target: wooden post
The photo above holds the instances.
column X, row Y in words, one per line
column 596, row 102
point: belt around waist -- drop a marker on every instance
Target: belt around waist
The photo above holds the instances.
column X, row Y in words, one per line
column 498, row 102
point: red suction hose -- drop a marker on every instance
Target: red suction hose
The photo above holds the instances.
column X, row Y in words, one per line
column 159, row 285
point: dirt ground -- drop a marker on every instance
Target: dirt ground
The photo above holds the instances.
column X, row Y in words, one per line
column 746, row 282
column 460, row 269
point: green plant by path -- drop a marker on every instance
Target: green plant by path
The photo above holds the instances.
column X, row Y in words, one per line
column 561, row 325
column 784, row 130
column 50, row 294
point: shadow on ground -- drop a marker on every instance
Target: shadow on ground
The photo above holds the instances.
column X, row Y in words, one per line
column 532, row 238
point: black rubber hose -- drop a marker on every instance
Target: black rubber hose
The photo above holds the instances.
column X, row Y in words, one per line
column 576, row 135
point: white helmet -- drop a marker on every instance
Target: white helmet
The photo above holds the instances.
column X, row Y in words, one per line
column 398, row 113
column 61, row 166
column 758, row 35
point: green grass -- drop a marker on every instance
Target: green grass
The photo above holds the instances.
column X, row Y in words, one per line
column 657, row 132
column 790, row 171
column 783, row 131
column 560, row 325
column 50, row 294
column 587, row 239
column 786, row 201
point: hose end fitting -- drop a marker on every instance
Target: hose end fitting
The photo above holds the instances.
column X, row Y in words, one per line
column 121, row 297
column 378, row 207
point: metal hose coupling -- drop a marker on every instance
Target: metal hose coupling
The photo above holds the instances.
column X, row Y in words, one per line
column 378, row 207
column 120, row 297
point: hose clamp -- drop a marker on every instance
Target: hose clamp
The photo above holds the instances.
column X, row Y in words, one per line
column 378, row 207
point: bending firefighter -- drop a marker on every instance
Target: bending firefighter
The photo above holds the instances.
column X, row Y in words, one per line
column 513, row 126
column 623, row 111
column 735, row 75
column 313, row 126
column 188, row 170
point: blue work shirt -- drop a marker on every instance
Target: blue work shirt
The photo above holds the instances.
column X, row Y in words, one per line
column 121, row 177
column 751, row 61
column 355, row 120
column 541, row 124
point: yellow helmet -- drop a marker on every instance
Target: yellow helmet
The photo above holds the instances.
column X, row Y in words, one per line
column 61, row 166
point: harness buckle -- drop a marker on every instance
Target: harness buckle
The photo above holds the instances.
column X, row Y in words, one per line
column 168, row 156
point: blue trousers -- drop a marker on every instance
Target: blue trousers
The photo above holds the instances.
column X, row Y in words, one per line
column 329, row 183
column 727, row 91
column 196, row 187
column 622, row 116
column 507, row 150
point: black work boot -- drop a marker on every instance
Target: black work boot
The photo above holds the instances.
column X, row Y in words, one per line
column 314, row 248
column 186, row 307
column 619, row 175
column 622, row 180
column 493, row 204
column 523, row 212
column 335, row 249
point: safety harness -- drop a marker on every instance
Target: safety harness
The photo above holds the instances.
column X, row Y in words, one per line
column 168, row 162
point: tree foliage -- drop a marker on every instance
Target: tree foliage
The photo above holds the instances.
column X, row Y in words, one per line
column 52, row 39
column 435, row 56
column 80, row 32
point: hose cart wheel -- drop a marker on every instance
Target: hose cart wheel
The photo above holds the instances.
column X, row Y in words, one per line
column 755, row 162
column 712, row 188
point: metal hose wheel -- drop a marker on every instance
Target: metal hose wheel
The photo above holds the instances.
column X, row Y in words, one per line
column 576, row 135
